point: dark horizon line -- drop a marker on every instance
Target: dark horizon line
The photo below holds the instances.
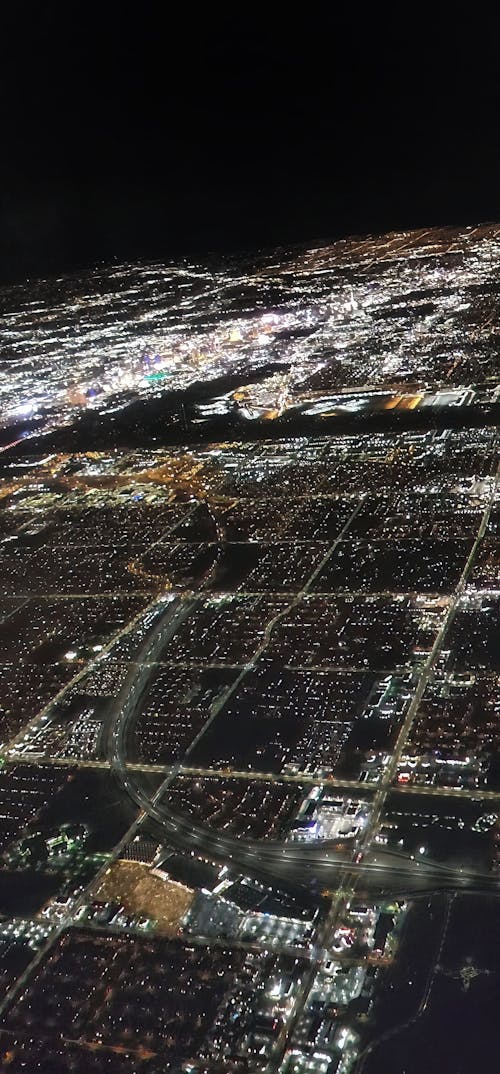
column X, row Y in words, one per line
column 49, row 268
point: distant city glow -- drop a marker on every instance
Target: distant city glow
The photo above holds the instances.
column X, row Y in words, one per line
column 360, row 324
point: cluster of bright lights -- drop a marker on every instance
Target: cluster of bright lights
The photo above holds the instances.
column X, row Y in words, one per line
column 397, row 314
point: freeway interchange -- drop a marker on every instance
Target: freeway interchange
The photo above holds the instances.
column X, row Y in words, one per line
column 312, row 866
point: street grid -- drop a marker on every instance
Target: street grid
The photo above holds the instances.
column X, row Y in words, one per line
column 181, row 607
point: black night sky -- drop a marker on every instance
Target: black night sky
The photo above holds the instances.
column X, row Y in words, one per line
column 129, row 134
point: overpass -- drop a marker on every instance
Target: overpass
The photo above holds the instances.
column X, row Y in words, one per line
column 310, row 866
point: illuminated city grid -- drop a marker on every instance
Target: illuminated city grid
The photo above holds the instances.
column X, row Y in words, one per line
column 249, row 775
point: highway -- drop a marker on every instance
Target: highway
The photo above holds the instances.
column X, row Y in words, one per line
column 311, row 866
